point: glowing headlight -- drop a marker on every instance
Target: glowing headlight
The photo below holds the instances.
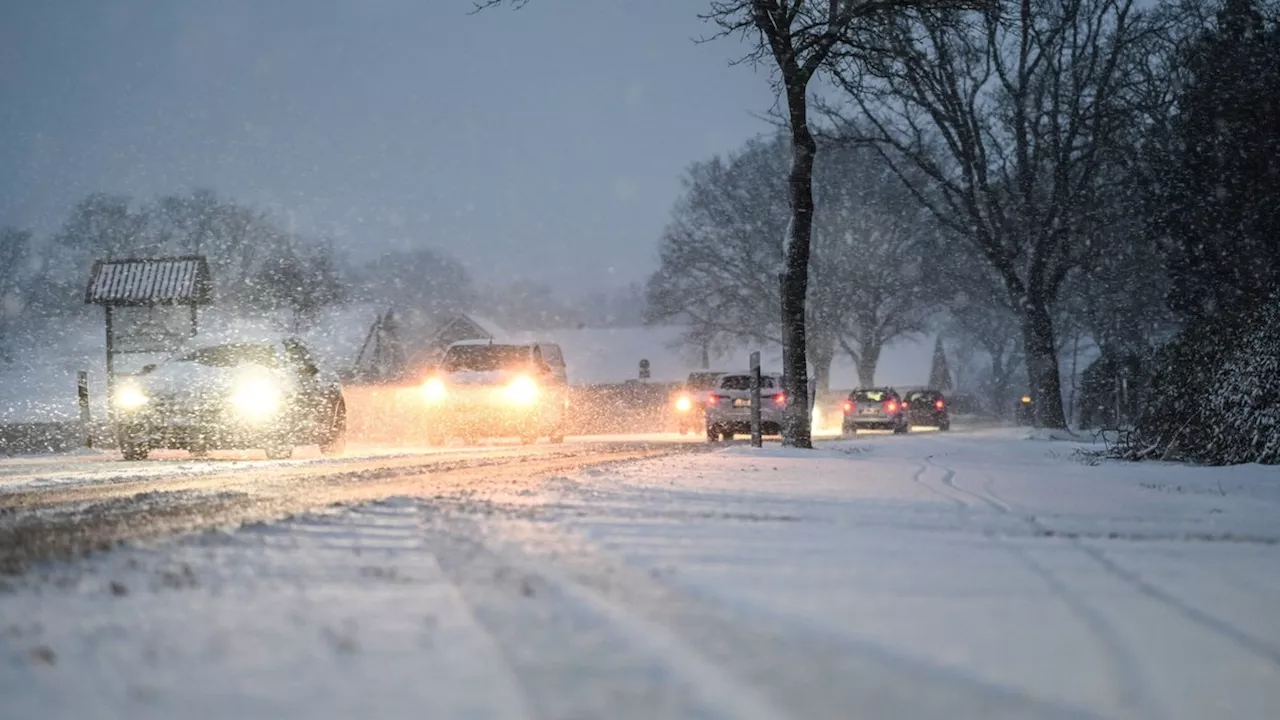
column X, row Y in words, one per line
column 257, row 398
column 434, row 390
column 131, row 397
column 522, row 391
column 684, row 403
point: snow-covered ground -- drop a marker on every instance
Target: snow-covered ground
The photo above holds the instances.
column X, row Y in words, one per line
column 985, row 574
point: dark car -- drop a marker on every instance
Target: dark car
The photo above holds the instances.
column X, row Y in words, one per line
column 875, row 409
column 928, row 408
column 271, row 395
column 485, row 389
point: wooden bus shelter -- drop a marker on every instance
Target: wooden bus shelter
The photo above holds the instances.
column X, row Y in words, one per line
column 167, row 282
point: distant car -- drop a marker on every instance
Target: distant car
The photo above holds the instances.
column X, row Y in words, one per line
column 875, row 409
column 272, row 395
column 485, row 389
column 691, row 400
column 728, row 408
column 928, row 408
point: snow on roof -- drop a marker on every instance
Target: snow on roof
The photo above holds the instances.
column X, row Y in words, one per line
column 149, row 281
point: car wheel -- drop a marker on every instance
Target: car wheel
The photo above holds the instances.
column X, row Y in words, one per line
column 944, row 426
column 557, row 437
column 133, row 449
column 713, row 434
column 335, row 440
column 528, row 439
column 726, row 436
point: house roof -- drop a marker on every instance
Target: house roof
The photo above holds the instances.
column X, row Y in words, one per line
column 487, row 329
column 149, row 281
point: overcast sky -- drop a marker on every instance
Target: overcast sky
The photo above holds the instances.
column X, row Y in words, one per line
column 546, row 143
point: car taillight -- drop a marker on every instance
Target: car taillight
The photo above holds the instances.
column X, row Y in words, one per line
column 939, row 404
column 780, row 399
column 848, row 407
column 712, row 399
column 890, row 406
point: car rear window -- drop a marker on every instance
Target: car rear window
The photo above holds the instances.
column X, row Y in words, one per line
column 743, row 382
column 484, row 358
column 871, row 396
column 923, row 395
column 702, row 381
column 233, row 355
column 552, row 355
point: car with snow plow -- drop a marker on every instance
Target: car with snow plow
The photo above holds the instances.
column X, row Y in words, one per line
column 690, row 402
column 483, row 389
column 728, row 407
column 272, row 395
column 927, row 408
column 875, row 409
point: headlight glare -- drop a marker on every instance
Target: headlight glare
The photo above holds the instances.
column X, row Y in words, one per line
column 684, row 403
column 434, row 390
column 131, row 397
column 257, row 398
column 523, row 391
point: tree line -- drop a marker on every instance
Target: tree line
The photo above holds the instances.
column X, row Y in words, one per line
column 1058, row 171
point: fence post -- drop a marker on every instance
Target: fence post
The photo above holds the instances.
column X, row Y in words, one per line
column 757, row 434
column 82, row 394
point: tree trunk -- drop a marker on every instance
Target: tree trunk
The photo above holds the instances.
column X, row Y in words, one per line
column 1042, row 366
column 795, row 278
column 867, row 363
column 824, row 351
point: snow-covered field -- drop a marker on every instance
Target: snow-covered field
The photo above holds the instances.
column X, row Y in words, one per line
column 983, row 574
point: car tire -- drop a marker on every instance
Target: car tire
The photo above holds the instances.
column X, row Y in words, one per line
column 901, row 429
column 727, row 436
column 713, row 434
column 335, row 440
column 528, row 439
column 557, row 437
column 944, row 426
column 134, row 450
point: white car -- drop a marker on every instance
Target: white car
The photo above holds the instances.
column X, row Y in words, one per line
column 728, row 410
column 271, row 395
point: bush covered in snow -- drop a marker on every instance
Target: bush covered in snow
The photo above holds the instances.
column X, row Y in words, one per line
column 1215, row 396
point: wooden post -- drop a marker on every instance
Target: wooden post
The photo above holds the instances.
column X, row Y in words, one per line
column 757, row 433
column 111, row 364
column 82, row 394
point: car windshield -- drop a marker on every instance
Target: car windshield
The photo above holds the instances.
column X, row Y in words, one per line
column 743, row 382
column 484, row 358
column 702, row 381
column 233, row 355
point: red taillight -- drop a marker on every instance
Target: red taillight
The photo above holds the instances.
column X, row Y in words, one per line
column 848, row 407
column 780, row 399
column 891, row 406
column 939, row 404
column 712, row 399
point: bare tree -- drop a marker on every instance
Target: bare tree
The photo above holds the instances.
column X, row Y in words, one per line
column 717, row 272
column 1012, row 117
column 799, row 37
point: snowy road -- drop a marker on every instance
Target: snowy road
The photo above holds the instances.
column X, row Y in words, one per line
column 980, row 575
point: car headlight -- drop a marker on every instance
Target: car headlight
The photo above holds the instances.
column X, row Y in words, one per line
column 131, row 397
column 522, row 391
column 684, row 403
column 257, row 398
column 434, row 390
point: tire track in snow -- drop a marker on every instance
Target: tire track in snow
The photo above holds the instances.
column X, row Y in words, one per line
column 808, row 671
column 1131, row 686
column 1190, row 613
